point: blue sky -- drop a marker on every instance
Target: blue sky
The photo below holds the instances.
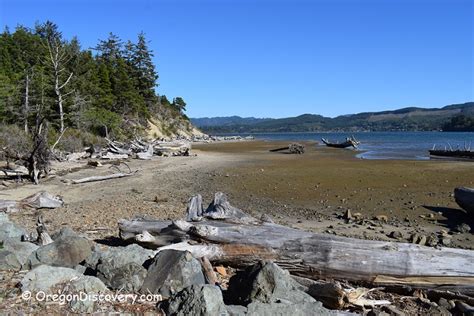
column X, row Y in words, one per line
column 283, row 58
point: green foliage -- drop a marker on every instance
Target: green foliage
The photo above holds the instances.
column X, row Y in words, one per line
column 111, row 91
column 102, row 122
column 460, row 123
column 13, row 137
column 74, row 140
column 179, row 104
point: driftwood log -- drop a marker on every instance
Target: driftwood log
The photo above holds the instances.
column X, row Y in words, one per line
column 238, row 239
column 465, row 198
column 293, row 148
column 38, row 200
column 102, row 178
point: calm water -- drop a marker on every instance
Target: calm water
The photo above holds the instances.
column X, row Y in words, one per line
column 386, row 145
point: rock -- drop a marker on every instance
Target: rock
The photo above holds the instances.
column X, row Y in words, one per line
column 414, row 238
column 89, row 285
column 196, row 300
column 21, row 249
column 267, row 283
column 432, row 241
column 118, row 256
column 395, row 235
column 9, row 229
column 236, row 310
column 266, row 218
column 120, row 267
column 128, row 277
column 462, row 228
column 8, row 261
column 44, row 277
column 64, row 252
column 171, row 271
column 65, row 232
column 446, row 241
column 422, row 240
column 382, row 218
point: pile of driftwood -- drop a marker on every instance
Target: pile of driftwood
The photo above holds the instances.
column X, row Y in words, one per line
column 293, row 148
column 226, row 235
column 138, row 149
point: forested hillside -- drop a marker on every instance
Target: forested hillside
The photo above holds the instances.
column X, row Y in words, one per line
column 455, row 117
column 85, row 93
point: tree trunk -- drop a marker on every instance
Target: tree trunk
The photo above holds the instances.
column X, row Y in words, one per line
column 27, row 104
column 237, row 241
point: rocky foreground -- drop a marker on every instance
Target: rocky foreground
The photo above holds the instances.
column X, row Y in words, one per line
column 72, row 273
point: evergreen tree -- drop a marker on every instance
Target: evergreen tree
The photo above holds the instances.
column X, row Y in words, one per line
column 143, row 68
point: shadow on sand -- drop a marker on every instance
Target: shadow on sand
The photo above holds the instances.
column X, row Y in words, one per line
column 454, row 216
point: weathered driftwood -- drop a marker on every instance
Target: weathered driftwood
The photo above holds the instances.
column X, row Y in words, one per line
column 112, row 156
column 236, row 241
column 146, row 155
column 293, row 148
column 38, row 200
column 43, row 236
column 102, row 178
column 465, row 198
column 194, row 210
column 209, row 273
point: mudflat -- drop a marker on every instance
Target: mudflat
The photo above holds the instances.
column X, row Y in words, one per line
column 313, row 191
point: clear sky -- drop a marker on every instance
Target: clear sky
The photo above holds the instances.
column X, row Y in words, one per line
column 282, row 58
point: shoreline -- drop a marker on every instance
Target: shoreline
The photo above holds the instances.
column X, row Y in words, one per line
column 313, row 191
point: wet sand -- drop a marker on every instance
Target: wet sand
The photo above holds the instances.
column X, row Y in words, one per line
column 313, row 191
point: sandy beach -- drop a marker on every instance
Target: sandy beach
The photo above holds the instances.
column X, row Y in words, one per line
column 311, row 191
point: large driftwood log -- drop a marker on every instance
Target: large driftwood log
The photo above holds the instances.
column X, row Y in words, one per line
column 313, row 255
column 38, row 200
column 102, row 178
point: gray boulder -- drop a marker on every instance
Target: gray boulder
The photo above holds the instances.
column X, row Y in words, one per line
column 8, row 261
column 64, row 252
column 44, row 277
column 47, row 278
column 171, row 271
column 21, row 249
column 196, row 300
column 120, row 267
column 265, row 282
column 128, row 277
column 89, row 285
column 65, row 232
column 266, row 289
column 236, row 310
column 9, row 229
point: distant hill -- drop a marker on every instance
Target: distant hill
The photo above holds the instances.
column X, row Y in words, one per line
column 227, row 121
column 406, row 119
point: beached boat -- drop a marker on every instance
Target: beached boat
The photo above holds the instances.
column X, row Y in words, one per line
column 465, row 198
column 462, row 154
column 350, row 142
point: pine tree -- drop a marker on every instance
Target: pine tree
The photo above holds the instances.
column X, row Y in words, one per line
column 143, row 68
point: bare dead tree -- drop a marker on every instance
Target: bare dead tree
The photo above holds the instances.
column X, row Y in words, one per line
column 59, row 58
column 26, row 106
